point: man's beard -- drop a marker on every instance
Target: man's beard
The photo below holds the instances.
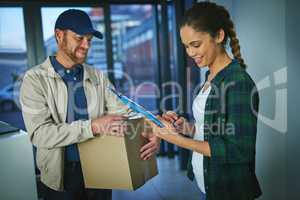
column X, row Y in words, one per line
column 71, row 54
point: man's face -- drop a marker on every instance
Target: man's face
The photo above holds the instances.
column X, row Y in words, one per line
column 75, row 46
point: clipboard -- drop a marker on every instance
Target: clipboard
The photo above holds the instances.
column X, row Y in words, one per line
column 136, row 107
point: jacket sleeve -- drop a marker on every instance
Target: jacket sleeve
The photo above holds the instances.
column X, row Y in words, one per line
column 236, row 143
column 44, row 132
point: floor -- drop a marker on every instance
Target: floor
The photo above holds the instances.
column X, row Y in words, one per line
column 170, row 184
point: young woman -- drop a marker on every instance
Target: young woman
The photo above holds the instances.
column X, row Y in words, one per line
column 224, row 133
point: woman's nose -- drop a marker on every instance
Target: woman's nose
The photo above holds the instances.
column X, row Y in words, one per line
column 190, row 52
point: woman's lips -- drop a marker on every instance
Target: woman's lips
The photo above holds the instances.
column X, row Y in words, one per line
column 198, row 60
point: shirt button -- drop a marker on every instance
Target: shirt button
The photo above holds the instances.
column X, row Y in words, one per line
column 68, row 71
column 205, row 171
column 75, row 78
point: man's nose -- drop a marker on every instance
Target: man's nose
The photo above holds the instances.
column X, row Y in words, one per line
column 86, row 43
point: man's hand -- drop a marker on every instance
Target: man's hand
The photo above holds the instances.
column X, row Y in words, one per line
column 109, row 125
column 151, row 147
column 152, row 142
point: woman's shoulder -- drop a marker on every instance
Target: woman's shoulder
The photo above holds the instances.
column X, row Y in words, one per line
column 239, row 74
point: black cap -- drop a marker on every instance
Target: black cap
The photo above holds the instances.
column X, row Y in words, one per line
column 77, row 21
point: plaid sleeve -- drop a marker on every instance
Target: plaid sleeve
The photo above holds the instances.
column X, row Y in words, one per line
column 236, row 142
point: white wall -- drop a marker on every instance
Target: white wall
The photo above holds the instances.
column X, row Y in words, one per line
column 260, row 25
column 293, row 61
column 261, row 28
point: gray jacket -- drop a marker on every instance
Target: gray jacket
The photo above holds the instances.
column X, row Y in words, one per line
column 43, row 97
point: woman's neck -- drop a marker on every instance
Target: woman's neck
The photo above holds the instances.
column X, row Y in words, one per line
column 218, row 64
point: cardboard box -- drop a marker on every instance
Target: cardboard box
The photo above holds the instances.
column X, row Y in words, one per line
column 110, row 162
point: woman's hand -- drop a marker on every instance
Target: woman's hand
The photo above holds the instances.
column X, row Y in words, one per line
column 167, row 129
column 170, row 134
column 180, row 124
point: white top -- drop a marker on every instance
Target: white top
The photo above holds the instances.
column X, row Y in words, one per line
column 197, row 158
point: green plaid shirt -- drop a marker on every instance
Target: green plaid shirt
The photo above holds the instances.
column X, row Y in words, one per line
column 230, row 125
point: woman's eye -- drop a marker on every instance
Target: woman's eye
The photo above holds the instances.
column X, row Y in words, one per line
column 186, row 47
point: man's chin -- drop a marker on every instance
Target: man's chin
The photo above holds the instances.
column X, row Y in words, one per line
column 80, row 60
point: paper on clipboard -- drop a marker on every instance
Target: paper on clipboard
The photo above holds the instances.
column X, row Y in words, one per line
column 137, row 108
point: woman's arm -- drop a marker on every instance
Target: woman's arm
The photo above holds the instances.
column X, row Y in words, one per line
column 237, row 140
column 188, row 143
column 189, row 129
column 170, row 134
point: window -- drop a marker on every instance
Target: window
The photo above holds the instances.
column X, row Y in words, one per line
column 193, row 72
column 13, row 64
column 134, row 53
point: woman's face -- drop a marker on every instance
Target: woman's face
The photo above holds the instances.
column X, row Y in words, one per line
column 200, row 46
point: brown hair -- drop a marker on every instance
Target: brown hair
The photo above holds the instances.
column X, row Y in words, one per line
column 211, row 18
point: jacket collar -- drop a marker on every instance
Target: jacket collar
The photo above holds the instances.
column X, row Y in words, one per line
column 76, row 70
column 88, row 72
column 226, row 71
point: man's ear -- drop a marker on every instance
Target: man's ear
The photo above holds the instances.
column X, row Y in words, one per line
column 220, row 36
column 59, row 34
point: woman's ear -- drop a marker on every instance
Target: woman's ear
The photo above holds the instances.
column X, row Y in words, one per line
column 220, row 36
